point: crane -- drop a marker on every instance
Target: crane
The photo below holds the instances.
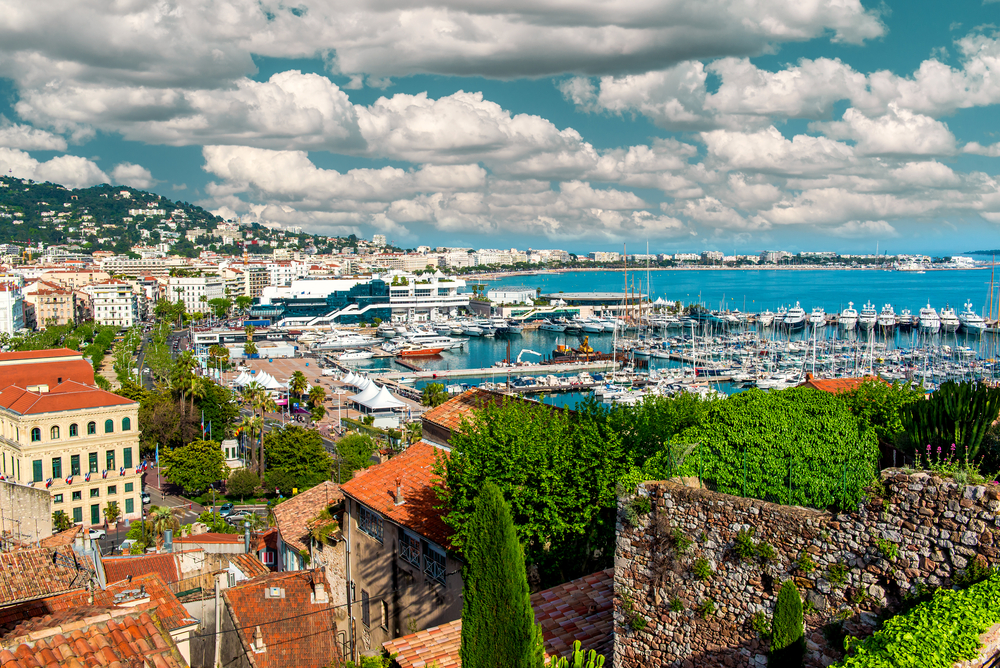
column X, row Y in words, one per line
column 525, row 350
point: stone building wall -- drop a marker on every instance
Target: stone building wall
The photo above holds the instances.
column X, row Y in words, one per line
column 24, row 513
column 936, row 527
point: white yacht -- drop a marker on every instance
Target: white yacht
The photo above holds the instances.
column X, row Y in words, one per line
column 971, row 321
column 430, row 339
column 795, row 317
column 550, row 326
column 848, row 317
column 765, row 319
column 818, row 317
column 887, row 318
column 338, row 340
column 592, row 326
column 905, row 321
column 868, row 316
column 929, row 320
column 472, row 329
column 355, row 355
column 949, row 321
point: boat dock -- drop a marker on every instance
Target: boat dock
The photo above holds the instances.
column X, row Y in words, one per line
column 500, row 371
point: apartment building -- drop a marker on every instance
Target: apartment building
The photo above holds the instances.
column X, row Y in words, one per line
column 53, row 304
column 114, row 303
column 195, row 291
column 11, row 308
column 61, row 433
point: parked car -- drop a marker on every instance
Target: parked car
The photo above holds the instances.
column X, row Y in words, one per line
column 145, row 498
column 226, row 509
column 96, row 534
column 238, row 518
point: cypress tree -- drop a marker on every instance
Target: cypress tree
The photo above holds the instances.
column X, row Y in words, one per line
column 498, row 624
column 787, row 632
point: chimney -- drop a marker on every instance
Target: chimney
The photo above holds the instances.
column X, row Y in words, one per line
column 319, row 587
column 246, row 538
column 399, row 493
column 258, row 641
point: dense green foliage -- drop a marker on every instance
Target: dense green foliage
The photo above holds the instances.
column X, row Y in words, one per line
column 354, row 452
column 787, row 630
column 299, row 453
column 61, row 521
column 94, row 341
column 195, row 466
column 433, row 395
column 242, row 483
column 579, row 658
column 799, row 446
column 882, row 406
column 935, row 634
column 498, row 624
column 959, row 413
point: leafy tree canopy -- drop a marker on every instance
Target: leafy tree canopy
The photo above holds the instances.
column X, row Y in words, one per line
column 299, row 453
column 355, row 453
column 194, row 466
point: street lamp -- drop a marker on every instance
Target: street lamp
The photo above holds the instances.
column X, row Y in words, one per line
column 339, row 392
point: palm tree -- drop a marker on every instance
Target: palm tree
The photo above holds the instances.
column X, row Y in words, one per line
column 164, row 518
column 317, row 395
column 199, row 388
column 261, row 402
column 298, row 383
column 182, row 376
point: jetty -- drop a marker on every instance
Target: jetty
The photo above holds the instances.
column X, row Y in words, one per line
column 499, row 371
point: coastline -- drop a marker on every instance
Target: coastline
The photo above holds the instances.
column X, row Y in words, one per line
column 542, row 272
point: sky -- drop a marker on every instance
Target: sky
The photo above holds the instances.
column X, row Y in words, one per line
column 732, row 125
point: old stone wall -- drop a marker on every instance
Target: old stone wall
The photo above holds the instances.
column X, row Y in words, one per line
column 24, row 513
column 685, row 596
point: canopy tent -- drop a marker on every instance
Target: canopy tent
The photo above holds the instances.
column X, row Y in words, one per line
column 363, row 384
column 382, row 401
column 243, row 379
column 269, row 382
column 366, row 394
column 350, row 379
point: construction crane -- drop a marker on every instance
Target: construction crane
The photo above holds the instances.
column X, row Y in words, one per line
column 527, row 351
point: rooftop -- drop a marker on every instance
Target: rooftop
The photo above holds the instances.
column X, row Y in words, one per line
column 249, row 565
column 40, row 572
column 117, row 569
column 440, row 422
column 293, row 515
column 68, row 395
column 375, row 487
column 44, row 367
column 582, row 609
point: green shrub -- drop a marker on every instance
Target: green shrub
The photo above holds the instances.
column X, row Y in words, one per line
column 787, row 630
column 636, row 508
column 805, row 562
column 762, row 625
column 744, row 546
column 767, row 552
column 707, row 608
column 977, row 571
column 676, row 605
column 837, row 574
column 681, row 542
column 702, row 569
column 888, row 549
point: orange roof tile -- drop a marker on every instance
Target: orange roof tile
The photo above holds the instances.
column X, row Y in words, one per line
column 249, row 565
column 38, row 354
column 117, row 569
column 836, row 385
column 63, row 538
column 67, row 396
column 40, row 572
column 293, row 515
column 582, row 609
column 44, row 367
column 375, row 487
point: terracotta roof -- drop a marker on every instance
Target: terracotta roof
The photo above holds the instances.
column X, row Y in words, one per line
column 39, row 354
column 117, row 569
column 450, row 414
column 375, row 487
column 292, row 636
column 63, row 538
column 46, row 372
column 249, row 565
column 114, row 638
column 66, row 396
column 582, row 609
column 293, row 515
column 39, row 572
column 836, row 385
column 225, row 539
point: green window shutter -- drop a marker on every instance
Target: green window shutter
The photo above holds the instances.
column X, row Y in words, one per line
column 56, row 468
column 77, row 515
column 92, row 462
column 74, row 465
column 127, row 458
column 129, row 504
column 36, row 470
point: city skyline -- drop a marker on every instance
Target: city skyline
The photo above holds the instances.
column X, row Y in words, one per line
column 833, row 126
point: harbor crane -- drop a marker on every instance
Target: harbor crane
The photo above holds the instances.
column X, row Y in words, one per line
column 525, row 350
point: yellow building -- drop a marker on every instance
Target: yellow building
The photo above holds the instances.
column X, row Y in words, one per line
column 61, row 433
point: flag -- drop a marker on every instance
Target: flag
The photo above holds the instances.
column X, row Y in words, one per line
column 121, row 471
column 104, row 473
column 69, row 480
column 87, row 478
column 203, row 423
column 48, row 483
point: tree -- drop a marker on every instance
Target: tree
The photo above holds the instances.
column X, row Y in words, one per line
column 354, row 452
column 433, row 395
column 956, row 413
column 498, row 624
column 61, row 521
column 243, row 303
column 787, row 631
column 220, row 307
column 317, row 395
column 298, row 383
column 242, row 483
column 111, row 512
column 163, row 518
column 298, row 452
column 279, row 481
column 194, row 466
column 882, row 406
column 219, row 409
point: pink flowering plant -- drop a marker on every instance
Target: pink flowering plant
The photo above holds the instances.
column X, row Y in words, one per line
column 949, row 463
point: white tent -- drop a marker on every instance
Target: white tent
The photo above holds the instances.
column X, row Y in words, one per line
column 351, row 379
column 382, row 401
column 269, row 382
column 366, row 394
column 363, row 384
column 242, row 379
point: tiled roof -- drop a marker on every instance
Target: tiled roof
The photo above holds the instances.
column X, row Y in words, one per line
column 249, row 565
column 117, row 638
column 836, row 385
column 38, row 354
column 296, row 631
column 44, row 367
column 293, row 515
column 582, row 609
column 66, row 396
column 119, row 568
column 63, row 538
column 450, row 414
column 225, row 539
column 37, row 573
column 375, row 487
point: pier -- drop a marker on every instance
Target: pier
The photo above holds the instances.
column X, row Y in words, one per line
column 532, row 370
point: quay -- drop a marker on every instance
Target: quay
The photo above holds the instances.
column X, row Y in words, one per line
column 500, row 371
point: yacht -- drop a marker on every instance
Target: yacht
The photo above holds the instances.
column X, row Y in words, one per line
column 868, row 316
column 848, row 318
column 592, row 326
column 795, row 317
column 550, row 326
column 430, row 339
column 337, row 340
column 971, row 321
column 887, row 318
column 817, row 318
column 765, row 319
column 472, row 329
column 929, row 320
column 354, row 355
column 905, row 320
column 514, row 327
column 949, row 321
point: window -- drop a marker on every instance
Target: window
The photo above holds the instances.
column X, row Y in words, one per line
column 126, row 424
column 78, row 495
column 56, row 468
column 36, row 470
column 109, row 457
column 95, row 493
column 128, row 487
column 112, row 490
column 95, row 513
column 434, row 562
column 366, row 608
column 268, row 558
column 91, row 428
column 109, row 426
column 127, row 458
column 77, row 513
column 54, row 433
column 36, row 434
column 73, row 431
column 129, row 505
column 409, row 548
column 385, row 615
column 57, row 498
column 370, row 522
column 92, row 462
column 74, row 465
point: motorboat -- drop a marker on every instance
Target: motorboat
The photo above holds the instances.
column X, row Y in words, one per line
column 887, row 318
column 355, row 355
column 514, row 327
column 817, row 318
column 929, row 319
column 868, row 317
column 341, row 341
column 550, row 326
column 848, row 318
column 430, row 339
column 472, row 329
column 765, row 319
column 971, row 321
column 795, row 317
column 413, row 350
column 905, row 320
column 949, row 321
column 592, row 326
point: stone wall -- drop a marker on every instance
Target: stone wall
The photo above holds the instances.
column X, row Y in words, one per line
column 934, row 526
column 24, row 512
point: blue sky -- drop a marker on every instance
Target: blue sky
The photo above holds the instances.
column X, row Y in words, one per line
column 718, row 124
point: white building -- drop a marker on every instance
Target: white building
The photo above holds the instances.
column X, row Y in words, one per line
column 11, row 308
column 115, row 303
column 195, row 292
column 378, row 240
column 512, row 295
column 604, row 256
